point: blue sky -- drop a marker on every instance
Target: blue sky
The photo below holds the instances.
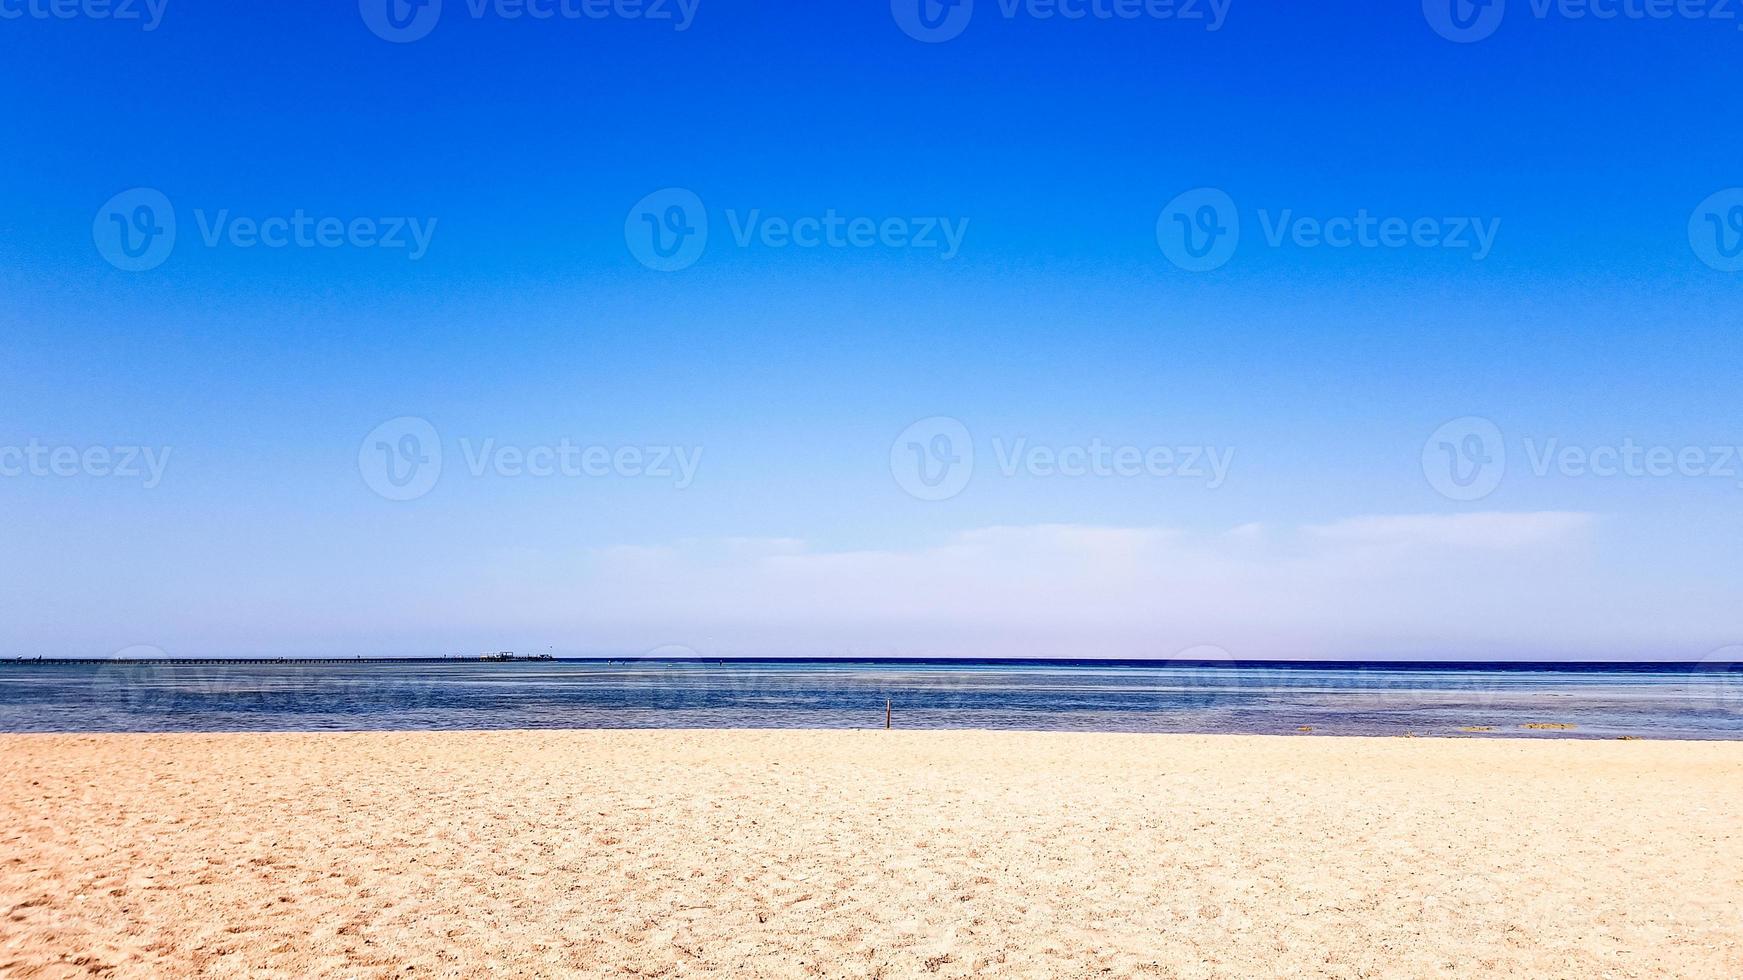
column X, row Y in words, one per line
column 524, row 148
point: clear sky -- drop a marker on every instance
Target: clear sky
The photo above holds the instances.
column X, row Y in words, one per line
column 888, row 237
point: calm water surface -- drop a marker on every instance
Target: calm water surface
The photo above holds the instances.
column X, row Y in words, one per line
column 1679, row 703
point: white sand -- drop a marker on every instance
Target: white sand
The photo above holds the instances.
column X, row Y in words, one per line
column 867, row 854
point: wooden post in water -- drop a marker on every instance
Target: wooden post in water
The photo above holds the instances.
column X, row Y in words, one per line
column 886, row 714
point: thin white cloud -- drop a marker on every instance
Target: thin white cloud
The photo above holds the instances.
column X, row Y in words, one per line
column 1491, row 531
column 1386, row 584
column 1463, row 586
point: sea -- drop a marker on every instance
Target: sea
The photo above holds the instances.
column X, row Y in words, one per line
column 1426, row 700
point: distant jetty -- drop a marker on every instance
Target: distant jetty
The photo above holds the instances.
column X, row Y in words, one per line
column 502, row 657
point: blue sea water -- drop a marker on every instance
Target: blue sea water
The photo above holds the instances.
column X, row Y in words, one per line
column 1347, row 700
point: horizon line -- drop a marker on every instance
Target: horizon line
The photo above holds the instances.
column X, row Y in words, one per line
column 1150, row 663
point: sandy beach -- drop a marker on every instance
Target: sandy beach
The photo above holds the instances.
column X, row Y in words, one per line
column 892, row 854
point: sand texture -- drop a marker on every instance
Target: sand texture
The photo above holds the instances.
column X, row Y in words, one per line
column 855, row 854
